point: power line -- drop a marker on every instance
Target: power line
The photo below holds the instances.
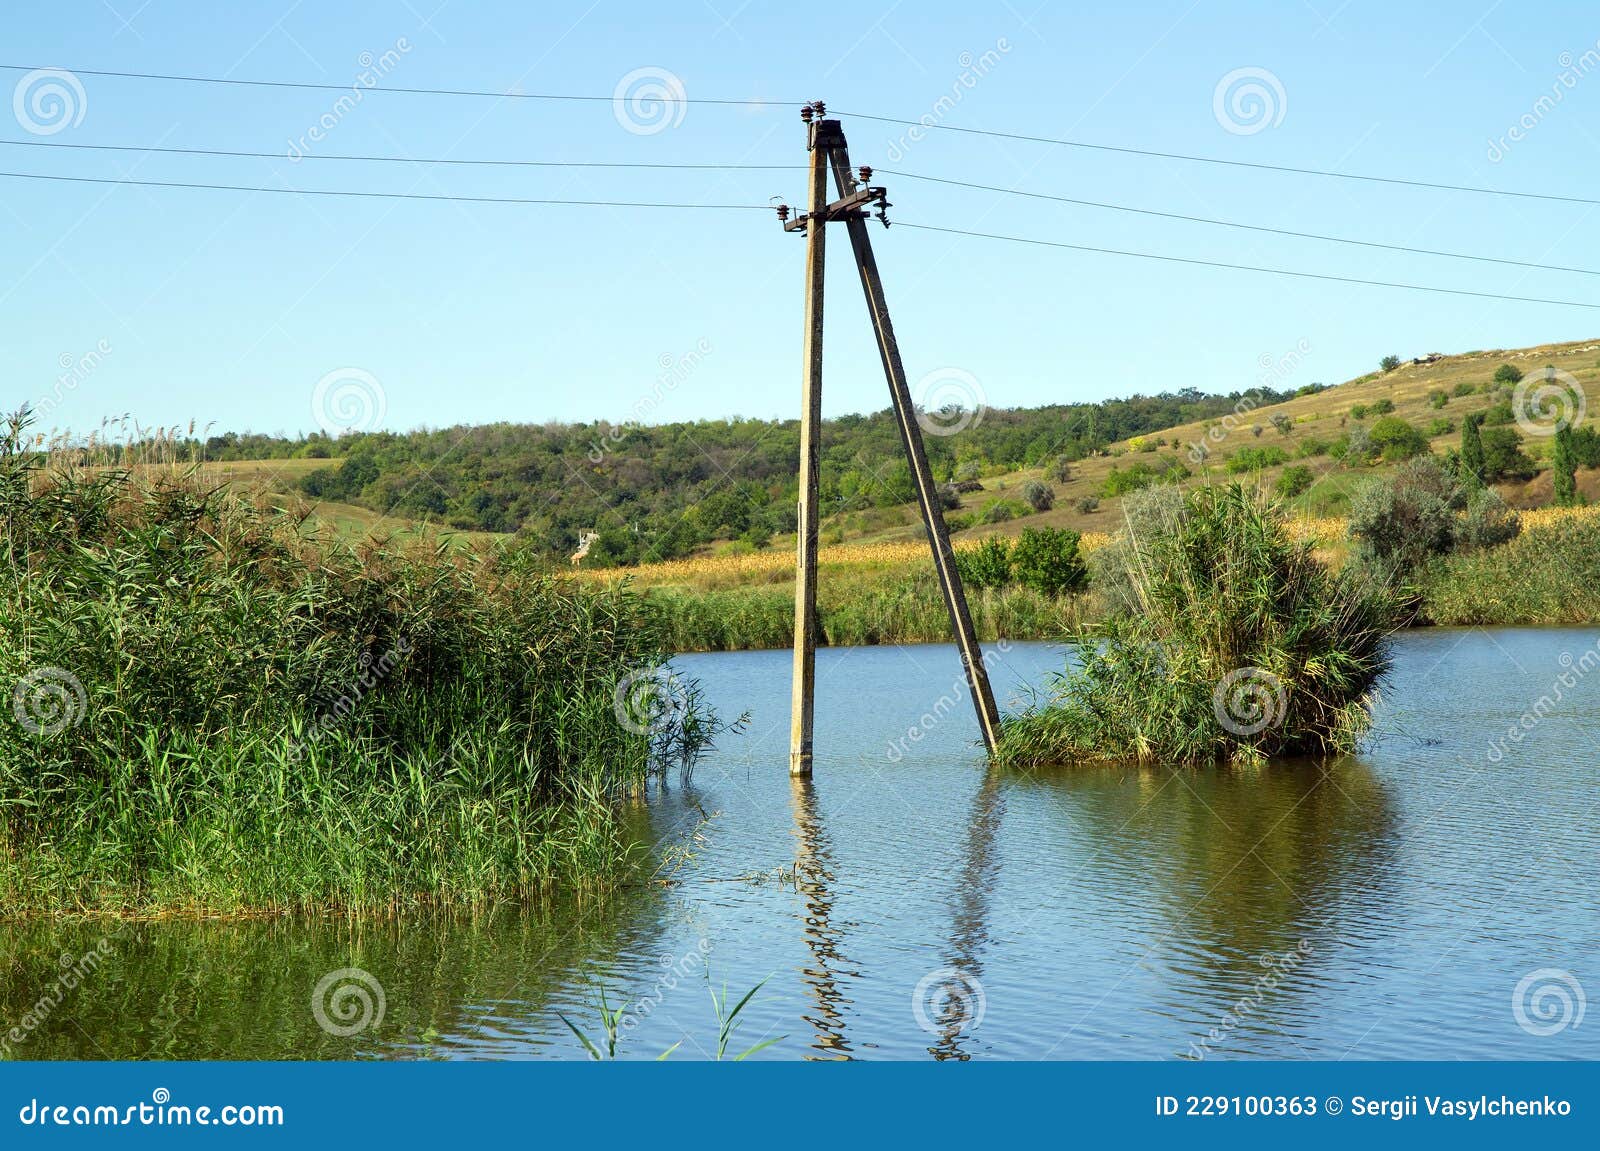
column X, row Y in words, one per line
column 1225, row 163
column 396, row 159
column 624, row 164
column 381, row 195
column 753, row 102
column 306, row 85
column 1245, row 227
column 1243, row 267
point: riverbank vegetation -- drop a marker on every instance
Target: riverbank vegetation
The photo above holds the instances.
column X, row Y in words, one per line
column 216, row 709
column 1235, row 643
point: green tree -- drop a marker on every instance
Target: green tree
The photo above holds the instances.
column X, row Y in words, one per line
column 1389, row 363
column 1564, row 467
column 1503, row 457
column 1472, row 451
column 1395, row 440
column 1507, row 374
column 1047, row 560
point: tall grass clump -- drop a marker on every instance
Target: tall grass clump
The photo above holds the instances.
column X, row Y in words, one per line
column 208, row 706
column 1546, row 576
column 1229, row 641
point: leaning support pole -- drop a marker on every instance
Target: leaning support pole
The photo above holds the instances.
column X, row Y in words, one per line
column 944, row 558
column 803, row 704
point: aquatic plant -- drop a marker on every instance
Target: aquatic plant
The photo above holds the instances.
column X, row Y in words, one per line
column 215, row 708
column 1235, row 643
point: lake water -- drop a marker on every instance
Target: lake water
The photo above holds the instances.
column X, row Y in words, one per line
column 910, row 904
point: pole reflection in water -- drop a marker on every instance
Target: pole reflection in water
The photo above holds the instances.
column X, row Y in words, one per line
column 813, row 879
column 950, row 1003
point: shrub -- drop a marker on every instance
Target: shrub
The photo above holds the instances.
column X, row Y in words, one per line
column 1121, row 481
column 1382, row 407
column 1039, row 497
column 1358, row 411
column 1488, row 522
column 1293, row 481
column 1397, row 523
column 1061, row 470
column 1047, row 561
column 987, row 565
column 1394, row 440
column 1438, row 399
column 1441, row 426
column 1389, row 363
column 1000, row 511
column 1311, row 447
column 1087, row 505
column 1283, row 423
column 1508, row 374
column 1499, row 414
column 1256, row 430
column 1243, row 647
column 1464, row 388
column 1254, row 459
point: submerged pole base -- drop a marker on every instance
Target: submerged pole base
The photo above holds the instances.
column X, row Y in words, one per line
column 800, row 763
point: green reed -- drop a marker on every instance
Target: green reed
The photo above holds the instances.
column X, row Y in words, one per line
column 1233, row 643
column 211, row 707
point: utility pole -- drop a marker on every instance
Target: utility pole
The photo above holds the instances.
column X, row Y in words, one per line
column 828, row 149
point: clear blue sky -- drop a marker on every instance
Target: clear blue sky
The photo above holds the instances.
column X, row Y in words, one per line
column 228, row 308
